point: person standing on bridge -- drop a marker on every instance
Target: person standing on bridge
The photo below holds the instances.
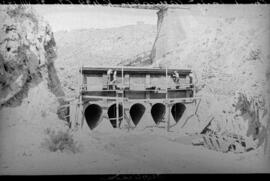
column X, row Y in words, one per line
column 175, row 76
column 114, row 79
column 111, row 79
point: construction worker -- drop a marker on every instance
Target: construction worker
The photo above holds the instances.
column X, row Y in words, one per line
column 191, row 77
column 114, row 79
column 112, row 75
column 175, row 76
column 110, row 78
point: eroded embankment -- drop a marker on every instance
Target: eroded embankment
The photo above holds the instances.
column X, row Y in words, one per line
column 27, row 55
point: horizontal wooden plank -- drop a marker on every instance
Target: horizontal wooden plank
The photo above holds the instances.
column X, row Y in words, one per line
column 133, row 70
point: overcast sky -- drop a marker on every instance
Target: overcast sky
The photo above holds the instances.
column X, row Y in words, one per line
column 69, row 17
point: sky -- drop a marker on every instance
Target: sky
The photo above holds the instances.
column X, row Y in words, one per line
column 70, row 17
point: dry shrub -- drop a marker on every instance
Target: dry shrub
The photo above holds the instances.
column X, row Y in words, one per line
column 60, row 141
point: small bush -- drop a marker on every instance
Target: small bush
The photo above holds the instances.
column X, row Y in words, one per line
column 61, row 140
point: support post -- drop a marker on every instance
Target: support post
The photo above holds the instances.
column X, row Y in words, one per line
column 192, row 83
column 80, row 94
column 169, row 117
column 167, row 103
column 123, row 106
column 117, row 112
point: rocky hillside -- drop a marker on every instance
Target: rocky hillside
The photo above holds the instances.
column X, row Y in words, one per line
column 27, row 54
column 29, row 85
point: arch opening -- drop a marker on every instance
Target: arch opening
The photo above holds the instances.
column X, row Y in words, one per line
column 112, row 114
column 158, row 112
column 177, row 111
column 92, row 115
column 136, row 112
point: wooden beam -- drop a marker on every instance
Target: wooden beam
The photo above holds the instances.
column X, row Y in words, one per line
column 133, row 70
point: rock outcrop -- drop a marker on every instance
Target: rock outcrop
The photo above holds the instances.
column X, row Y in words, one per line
column 27, row 55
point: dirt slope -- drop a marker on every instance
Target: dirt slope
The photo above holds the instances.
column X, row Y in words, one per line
column 99, row 47
column 228, row 49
